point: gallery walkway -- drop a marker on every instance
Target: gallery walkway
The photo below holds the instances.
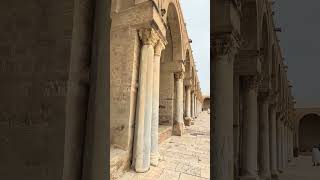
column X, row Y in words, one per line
column 301, row 169
column 182, row 157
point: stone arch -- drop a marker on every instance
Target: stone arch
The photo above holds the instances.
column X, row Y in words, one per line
column 249, row 25
column 308, row 131
column 174, row 31
column 171, row 55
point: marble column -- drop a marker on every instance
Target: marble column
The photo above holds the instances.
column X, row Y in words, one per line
column 142, row 138
column 279, row 145
column 178, row 124
column 273, row 142
column 223, row 62
column 191, row 110
column 154, row 157
column 265, row 173
column 250, row 133
column 187, row 119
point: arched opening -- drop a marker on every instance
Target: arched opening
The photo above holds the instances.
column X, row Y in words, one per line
column 309, row 133
column 169, row 57
column 206, row 104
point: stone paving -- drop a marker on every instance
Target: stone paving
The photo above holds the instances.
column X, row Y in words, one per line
column 301, row 169
column 184, row 157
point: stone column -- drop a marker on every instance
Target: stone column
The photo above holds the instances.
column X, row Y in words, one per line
column 264, row 136
column 273, row 142
column 284, row 145
column 187, row 120
column 279, row 145
column 155, row 105
column 250, row 133
column 223, row 62
column 141, row 155
column 178, row 124
column 192, row 104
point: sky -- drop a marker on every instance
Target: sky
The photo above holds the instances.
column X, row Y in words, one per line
column 196, row 14
column 300, row 42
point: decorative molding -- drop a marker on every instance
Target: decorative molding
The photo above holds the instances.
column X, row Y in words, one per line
column 148, row 36
column 158, row 48
column 251, row 82
column 179, row 75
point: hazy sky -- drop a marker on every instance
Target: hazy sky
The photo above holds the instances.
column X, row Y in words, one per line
column 300, row 41
column 197, row 17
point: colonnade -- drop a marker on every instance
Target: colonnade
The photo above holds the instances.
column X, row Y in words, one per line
column 253, row 105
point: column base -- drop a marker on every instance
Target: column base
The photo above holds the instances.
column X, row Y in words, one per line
column 274, row 176
column 154, row 159
column 187, row 121
column 178, row 128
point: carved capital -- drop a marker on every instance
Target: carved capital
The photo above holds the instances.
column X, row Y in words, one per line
column 179, row 75
column 225, row 45
column 148, row 36
column 158, row 48
column 251, row 82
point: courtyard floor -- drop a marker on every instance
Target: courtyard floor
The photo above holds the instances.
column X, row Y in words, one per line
column 301, row 169
column 185, row 157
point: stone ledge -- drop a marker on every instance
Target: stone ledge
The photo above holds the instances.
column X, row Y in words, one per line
column 164, row 133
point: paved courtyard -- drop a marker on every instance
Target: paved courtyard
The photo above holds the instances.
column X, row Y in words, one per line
column 184, row 157
column 301, row 169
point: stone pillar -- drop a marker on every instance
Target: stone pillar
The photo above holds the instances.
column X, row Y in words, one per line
column 279, row 145
column 273, row 142
column 155, row 105
column 284, row 145
column 250, row 133
column 142, row 141
column 187, row 119
column 192, row 104
column 223, row 62
column 264, row 137
column 178, row 124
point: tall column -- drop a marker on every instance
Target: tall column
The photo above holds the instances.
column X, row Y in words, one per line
column 250, row 133
column 264, row 136
column 155, row 105
column 192, row 104
column 178, row 124
column 279, row 145
column 142, row 142
column 187, row 119
column 223, row 61
column 273, row 142
column 284, row 145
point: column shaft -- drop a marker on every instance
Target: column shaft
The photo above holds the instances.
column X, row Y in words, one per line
column 155, row 106
column 273, row 142
column 250, row 133
column 264, row 138
column 178, row 124
column 142, row 137
column 223, row 122
column 279, row 145
column 187, row 120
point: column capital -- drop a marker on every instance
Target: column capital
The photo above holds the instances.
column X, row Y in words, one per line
column 264, row 97
column 160, row 45
column 225, row 45
column 179, row 75
column 148, row 36
column 251, row 82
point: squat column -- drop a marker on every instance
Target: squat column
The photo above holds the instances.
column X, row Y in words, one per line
column 223, row 61
column 250, row 135
column 264, row 136
column 141, row 155
column 178, row 125
column 187, row 119
column 155, row 105
column 273, row 142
